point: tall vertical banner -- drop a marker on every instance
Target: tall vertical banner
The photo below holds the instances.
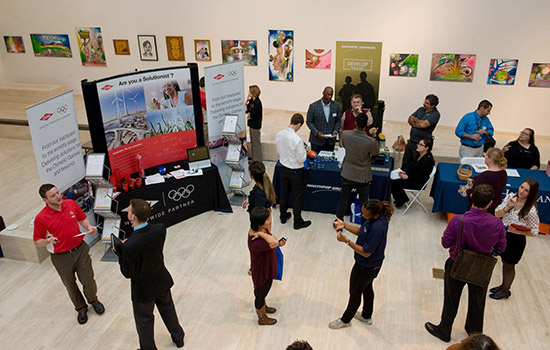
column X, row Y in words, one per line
column 360, row 62
column 56, row 142
column 224, row 86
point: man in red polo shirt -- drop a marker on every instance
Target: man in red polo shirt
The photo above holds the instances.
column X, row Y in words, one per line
column 56, row 228
column 349, row 117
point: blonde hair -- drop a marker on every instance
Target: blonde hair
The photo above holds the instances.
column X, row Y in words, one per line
column 255, row 90
column 497, row 156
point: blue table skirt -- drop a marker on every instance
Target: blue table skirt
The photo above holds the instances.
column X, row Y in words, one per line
column 323, row 186
column 447, row 199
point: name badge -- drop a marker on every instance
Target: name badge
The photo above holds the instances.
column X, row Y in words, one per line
column 334, row 115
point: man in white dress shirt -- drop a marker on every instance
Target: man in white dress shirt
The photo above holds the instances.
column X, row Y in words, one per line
column 292, row 154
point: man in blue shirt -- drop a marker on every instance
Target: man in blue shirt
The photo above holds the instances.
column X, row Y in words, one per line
column 473, row 129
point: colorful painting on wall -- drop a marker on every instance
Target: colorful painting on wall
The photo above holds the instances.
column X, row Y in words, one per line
column 318, row 58
column 51, row 45
column 540, row 75
column 202, row 50
column 14, row 44
column 90, row 44
column 502, row 71
column 122, row 47
column 453, row 67
column 281, row 55
column 147, row 47
column 240, row 50
column 174, row 48
column 403, row 64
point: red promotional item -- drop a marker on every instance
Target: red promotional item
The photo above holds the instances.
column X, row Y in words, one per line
column 520, row 227
column 311, row 154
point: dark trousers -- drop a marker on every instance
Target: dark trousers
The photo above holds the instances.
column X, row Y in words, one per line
column 476, row 303
column 292, row 186
column 327, row 146
column 360, row 284
column 78, row 262
column 410, row 153
column 347, row 187
column 261, row 293
column 398, row 192
column 145, row 320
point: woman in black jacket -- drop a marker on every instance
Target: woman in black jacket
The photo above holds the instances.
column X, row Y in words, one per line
column 415, row 174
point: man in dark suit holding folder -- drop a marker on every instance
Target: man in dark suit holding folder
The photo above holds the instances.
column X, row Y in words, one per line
column 323, row 121
column 141, row 259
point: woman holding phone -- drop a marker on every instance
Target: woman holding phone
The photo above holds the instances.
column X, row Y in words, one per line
column 519, row 212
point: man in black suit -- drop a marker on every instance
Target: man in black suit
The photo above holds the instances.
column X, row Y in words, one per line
column 323, row 121
column 141, row 259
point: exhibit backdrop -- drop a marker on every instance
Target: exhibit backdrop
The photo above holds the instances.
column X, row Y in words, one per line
column 56, row 141
column 359, row 61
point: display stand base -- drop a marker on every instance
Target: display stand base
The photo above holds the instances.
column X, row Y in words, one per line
column 237, row 198
column 109, row 256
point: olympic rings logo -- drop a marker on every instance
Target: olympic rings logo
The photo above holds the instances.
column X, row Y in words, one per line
column 232, row 73
column 62, row 109
column 180, row 193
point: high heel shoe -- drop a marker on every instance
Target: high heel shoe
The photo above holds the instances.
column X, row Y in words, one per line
column 498, row 296
column 495, row 289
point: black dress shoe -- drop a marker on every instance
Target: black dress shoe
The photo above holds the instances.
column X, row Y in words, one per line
column 285, row 217
column 495, row 289
column 301, row 224
column 82, row 317
column 179, row 343
column 433, row 330
column 500, row 295
column 99, row 308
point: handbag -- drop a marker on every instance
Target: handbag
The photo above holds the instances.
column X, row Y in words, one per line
column 472, row 267
column 280, row 263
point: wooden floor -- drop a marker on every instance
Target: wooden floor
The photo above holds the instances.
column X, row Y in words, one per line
column 208, row 258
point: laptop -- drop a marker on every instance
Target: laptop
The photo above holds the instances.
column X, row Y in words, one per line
column 198, row 157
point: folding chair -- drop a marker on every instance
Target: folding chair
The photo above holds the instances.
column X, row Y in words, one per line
column 416, row 194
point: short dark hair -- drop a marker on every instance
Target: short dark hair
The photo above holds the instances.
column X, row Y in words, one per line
column 482, row 195
column 433, row 99
column 429, row 143
column 45, row 188
column 258, row 216
column 478, row 342
column 484, row 104
column 201, row 82
column 361, row 120
column 296, row 119
column 356, row 96
column 299, row 345
column 141, row 209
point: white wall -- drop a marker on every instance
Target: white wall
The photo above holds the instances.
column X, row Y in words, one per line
column 489, row 28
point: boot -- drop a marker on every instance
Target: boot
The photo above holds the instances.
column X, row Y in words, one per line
column 263, row 320
column 270, row 310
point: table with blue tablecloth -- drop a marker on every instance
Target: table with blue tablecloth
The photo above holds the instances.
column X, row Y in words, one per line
column 447, row 199
column 323, row 185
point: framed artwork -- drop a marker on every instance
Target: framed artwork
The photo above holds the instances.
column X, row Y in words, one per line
column 318, row 58
column 14, row 44
column 403, row 64
column 281, row 55
column 202, row 50
column 122, row 47
column 540, row 75
column 147, row 48
column 453, row 67
column 174, row 48
column 51, row 45
column 240, row 50
column 90, row 45
column 502, row 71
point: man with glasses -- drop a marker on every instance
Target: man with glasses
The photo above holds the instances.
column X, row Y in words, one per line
column 422, row 123
column 473, row 130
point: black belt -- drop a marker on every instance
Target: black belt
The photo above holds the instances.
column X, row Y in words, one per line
column 465, row 145
column 70, row 251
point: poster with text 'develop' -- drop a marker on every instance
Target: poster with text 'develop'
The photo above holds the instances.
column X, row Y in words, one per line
column 56, row 142
column 225, row 95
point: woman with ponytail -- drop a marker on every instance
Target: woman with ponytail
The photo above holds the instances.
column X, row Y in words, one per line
column 495, row 176
column 369, row 254
column 262, row 195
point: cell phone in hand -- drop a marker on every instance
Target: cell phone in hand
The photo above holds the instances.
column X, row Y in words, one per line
column 282, row 239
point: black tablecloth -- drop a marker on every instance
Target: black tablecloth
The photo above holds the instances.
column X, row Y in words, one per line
column 176, row 200
column 323, row 186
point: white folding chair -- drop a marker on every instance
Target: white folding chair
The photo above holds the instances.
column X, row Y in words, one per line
column 472, row 160
column 416, row 194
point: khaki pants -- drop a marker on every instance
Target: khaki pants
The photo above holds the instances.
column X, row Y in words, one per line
column 255, row 139
column 78, row 261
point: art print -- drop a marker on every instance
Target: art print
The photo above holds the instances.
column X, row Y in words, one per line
column 122, row 47
column 14, row 44
column 403, row 64
column 281, row 55
column 51, row 45
column 240, row 50
column 318, row 58
column 202, row 50
column 502, row 71
column 453, row 67
column 174, row 48
column 90, row 44
column 147, row 48
column 540, row 75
